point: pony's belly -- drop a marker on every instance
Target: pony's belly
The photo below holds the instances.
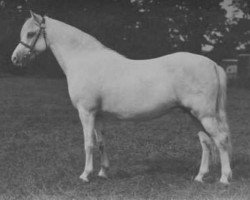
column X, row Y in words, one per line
column 139, row 113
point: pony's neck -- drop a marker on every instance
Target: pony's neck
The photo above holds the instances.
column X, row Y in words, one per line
column 66, row 41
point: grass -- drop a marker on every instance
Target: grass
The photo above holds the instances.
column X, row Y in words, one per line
column 42, row 157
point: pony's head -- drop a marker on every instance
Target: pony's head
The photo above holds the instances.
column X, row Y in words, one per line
column 32, row 40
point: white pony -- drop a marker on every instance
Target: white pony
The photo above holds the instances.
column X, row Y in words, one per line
column 104, row 84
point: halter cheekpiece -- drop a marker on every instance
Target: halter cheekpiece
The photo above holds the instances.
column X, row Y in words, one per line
column 33, row 44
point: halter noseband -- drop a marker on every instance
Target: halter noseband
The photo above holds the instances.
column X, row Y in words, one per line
column 33, row 44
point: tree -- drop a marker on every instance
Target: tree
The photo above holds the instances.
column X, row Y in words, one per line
column 243, row 6
column 190, row 23
column 241, row 28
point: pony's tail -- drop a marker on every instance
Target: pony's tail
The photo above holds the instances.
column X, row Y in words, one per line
column 222, row 96
column 221, row 105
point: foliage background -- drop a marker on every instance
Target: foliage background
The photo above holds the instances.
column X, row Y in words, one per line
column 138, row 29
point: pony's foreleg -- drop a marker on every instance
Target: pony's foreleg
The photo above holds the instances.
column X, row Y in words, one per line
column 88, row 121
column 205, row 141
column 104, row 157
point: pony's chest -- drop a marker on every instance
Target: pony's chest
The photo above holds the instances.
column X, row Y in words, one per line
column 84, row 94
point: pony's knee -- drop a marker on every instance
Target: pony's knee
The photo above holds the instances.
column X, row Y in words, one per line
column 89, row 147
column 205, row 141
column 210, row 125
column 204, row 138
column 216, row 130
column 222, row 140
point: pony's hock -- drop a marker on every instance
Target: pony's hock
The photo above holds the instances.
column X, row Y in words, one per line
column 104, row 84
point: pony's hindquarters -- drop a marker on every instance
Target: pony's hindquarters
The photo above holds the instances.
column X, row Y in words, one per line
column 214, row 121
column 218, row 128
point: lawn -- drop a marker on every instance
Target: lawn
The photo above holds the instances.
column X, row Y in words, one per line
column 42, row 151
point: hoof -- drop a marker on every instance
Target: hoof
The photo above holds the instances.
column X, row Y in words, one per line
column 224, row 182
column 84, row 179
column 102, row 174
column 225, row 179
column 198, row 179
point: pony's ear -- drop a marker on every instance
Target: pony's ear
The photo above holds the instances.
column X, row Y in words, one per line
column 36, row 17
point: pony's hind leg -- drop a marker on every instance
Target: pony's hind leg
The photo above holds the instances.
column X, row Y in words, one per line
column 104, row 156
column 205, row 141
column 221, row 136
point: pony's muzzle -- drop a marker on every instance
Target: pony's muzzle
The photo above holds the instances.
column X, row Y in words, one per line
column 16, row 57
column 14, row 60
column 20, row 57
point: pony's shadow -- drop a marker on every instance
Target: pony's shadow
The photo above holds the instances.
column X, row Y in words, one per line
column 184, row 168
column 241, row 167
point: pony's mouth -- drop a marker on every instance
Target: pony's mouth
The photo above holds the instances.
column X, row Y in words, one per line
column 25, row 60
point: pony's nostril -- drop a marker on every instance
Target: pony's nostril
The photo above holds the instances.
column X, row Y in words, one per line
column 14, row 59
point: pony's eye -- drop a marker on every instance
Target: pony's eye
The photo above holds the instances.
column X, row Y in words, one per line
column 30, row 34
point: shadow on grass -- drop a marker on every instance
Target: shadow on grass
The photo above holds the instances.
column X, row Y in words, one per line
column 184, row 168
column 241, row 167
column 188, row 168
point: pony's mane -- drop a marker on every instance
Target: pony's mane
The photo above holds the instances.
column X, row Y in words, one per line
column 79, row 37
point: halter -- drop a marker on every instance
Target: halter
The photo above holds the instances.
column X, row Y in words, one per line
column 33, row 44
